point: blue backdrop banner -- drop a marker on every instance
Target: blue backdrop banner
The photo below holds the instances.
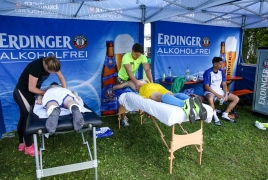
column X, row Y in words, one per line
column 80, row 45
column 178, row 46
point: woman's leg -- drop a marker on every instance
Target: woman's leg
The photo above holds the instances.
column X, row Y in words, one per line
column 23, row 101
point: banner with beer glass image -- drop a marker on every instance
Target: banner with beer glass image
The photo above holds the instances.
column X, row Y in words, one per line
column 81, row 46
column 190, row 48
column 115, row 50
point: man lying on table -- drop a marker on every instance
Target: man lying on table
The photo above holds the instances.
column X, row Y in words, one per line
column 55, row 97
column 158, row 93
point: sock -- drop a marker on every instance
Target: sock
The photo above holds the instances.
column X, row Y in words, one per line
column 182, row 96
column 78, row 119
column 50, row 109
column 168, row 99
column 52, row 120
column 216, row 119
column 225, row 115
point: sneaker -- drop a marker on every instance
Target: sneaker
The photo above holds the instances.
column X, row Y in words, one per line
column 30, row 150
column 21, row 147
column 217, row 123
column 199, row 108
column 124, row 122
column 188, row 109
column 259, row 125
column 226, row 118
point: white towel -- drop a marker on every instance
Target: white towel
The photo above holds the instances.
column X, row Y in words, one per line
column 42, row 113
column 165, row 113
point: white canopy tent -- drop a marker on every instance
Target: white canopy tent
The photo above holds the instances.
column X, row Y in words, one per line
column 229, row 13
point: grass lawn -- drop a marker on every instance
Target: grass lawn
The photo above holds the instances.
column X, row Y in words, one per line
column 232, row 151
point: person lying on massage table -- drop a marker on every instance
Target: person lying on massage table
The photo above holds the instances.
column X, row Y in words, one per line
column 160, row 94
column 55, row 97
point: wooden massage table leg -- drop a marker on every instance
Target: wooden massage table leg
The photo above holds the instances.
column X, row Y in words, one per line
column 179, row 141
column 123, row 110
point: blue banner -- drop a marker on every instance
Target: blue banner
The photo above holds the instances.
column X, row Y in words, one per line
column 80, row 45
column 181, row 46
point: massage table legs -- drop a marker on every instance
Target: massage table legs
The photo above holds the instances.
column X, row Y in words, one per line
column 177, row 141
column 93, row 163
column 122, row 110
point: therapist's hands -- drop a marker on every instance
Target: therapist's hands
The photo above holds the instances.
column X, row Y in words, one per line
column 138, row 85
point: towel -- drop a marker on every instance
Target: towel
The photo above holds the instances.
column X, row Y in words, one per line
column 42, row 113
column 165, row 113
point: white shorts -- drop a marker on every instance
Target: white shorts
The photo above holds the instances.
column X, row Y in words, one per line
column 219, row 91
column 58, row 95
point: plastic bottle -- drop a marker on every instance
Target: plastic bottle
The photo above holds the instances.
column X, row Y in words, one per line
column 187, row 74
column 169, row 71
column 163, row 77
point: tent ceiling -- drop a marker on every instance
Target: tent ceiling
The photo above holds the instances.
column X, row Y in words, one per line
column 230, row 13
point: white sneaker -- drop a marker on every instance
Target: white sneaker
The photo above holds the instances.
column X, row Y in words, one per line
column 226, row 118
column 259, row 125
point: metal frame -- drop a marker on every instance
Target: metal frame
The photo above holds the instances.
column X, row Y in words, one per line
column 92, row 163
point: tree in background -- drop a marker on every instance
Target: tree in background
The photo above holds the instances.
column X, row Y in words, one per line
column 252, row 39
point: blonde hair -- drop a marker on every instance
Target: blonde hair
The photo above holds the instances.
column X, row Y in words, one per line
column 53, row 64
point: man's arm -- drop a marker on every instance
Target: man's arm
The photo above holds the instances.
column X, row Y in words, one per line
column 62, row 79
column 208, row 88
column 224, row 86
column 148, row 73
column 137, row 83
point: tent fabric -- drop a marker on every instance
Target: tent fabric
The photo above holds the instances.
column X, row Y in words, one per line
column 228, row 13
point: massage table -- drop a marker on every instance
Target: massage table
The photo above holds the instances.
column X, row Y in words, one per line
column 36, row 126
column 169, row 115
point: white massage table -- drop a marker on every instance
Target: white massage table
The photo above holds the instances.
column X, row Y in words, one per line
column 169, row 115
column 36, row 126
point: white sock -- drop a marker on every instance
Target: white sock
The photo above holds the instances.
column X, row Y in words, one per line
column 70, row 108
column 216, row 119
column 50, row 109
column 225, row 115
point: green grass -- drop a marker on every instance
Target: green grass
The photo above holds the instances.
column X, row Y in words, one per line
column 232, row 151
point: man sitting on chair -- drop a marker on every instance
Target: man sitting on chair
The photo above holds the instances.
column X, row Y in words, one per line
column 158, row 93
column 215, row 87
column 55, row 97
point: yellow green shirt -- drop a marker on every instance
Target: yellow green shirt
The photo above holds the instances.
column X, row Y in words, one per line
column 135, row 64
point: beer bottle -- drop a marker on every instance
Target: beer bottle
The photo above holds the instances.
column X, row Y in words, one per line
column 109, row 103
column 222, row 55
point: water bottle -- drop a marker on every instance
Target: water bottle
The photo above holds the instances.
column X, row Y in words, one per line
column 169, row 71
column 187, row 74
column 163, row 77
column 221, row 101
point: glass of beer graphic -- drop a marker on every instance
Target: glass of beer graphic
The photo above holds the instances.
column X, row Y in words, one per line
column 230, row 51
column 123, row 43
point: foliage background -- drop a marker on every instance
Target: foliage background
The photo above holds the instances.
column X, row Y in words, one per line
column 252, row 39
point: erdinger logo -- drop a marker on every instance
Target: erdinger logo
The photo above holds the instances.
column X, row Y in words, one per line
column 206, row 41
column 80, row 41
column 265, row 63
column 109, row 93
